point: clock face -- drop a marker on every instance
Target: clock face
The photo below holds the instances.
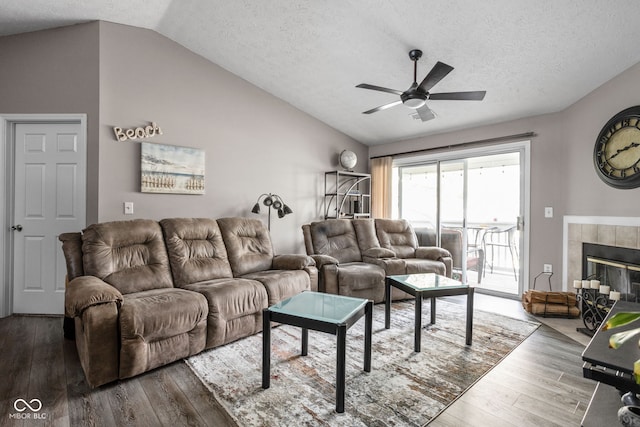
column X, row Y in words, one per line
column 348, row 159
column 617, row 150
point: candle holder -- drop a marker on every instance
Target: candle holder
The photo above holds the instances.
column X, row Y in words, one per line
column 595, row 303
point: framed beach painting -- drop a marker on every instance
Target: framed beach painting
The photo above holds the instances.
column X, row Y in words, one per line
column 171, row 169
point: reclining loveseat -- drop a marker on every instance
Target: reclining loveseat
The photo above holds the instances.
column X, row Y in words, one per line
column 144, row 293
column 353, row 257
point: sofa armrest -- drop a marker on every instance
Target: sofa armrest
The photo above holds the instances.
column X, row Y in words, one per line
column 432, row 252
column 378, row 253
column 292, row 262
column 322, row 260
column 87, row 291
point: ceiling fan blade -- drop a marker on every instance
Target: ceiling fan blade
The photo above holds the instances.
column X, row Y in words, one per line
column 383, row 107
column 437, row 73
column 459, row 96
column 379, row 88
column 425, row 113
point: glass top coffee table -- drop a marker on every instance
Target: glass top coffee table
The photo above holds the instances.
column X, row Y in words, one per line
column 427, row 285
column 329, row 313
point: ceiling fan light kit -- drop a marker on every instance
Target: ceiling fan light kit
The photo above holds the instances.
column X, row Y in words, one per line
column 413, row 99
column 417, row 95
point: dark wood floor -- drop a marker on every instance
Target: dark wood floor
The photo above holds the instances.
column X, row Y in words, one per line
column 539, row 384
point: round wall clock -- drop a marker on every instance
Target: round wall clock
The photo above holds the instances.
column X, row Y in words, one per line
column 617, row 151
column 348, row 159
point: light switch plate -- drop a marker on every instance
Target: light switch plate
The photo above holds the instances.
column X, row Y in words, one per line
column 128, row 208
column 548, row 212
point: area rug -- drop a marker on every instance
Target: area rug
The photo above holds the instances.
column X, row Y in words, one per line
column 404, row 388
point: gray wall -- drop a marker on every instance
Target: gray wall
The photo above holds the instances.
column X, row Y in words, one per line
column 254, row 142
column 125, row 76
column 55, row 71
column 562, row 171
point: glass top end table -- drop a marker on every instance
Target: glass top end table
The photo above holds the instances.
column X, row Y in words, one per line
column 427, row 285
column 328, row 313
column 320, row 306
column 422, row 281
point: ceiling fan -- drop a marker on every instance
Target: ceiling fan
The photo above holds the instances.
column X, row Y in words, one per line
column 417, row 95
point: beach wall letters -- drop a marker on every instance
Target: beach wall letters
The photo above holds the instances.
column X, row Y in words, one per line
column 148, row 131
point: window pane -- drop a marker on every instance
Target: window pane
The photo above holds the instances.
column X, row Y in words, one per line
column 418, row 195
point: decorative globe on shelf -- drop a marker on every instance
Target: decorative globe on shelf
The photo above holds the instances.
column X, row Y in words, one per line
column 348, row 159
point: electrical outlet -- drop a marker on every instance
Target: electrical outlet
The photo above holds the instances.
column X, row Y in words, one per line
column 128, row 208
column 547, row 268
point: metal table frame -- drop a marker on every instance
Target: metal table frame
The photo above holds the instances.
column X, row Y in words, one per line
column 420, row 294
column 338, row 329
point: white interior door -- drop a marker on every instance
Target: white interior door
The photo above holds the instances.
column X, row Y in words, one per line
column 49, row 199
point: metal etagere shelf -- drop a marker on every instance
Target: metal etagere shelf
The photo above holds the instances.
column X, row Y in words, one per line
column 347, row 194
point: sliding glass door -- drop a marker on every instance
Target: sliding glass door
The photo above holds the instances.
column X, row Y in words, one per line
column 472, row 204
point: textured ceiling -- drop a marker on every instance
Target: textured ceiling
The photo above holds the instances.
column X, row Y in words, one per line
column 532, row 57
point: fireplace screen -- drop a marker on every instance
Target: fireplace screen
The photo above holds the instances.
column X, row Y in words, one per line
column 613, row 266
column 609, row 274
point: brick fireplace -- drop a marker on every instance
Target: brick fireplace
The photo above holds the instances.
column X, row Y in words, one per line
column 622, row 232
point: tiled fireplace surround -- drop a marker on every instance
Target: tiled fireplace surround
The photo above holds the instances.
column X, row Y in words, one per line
column 611, row 231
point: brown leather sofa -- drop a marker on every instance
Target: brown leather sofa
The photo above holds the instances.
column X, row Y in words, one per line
column 353, row 257
column 144, row 293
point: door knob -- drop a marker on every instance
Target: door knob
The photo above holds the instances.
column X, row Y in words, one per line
column 16, row 227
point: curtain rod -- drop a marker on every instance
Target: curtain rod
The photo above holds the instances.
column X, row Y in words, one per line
column 463, row 144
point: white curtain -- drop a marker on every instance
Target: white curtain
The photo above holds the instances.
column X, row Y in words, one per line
column 381, row 170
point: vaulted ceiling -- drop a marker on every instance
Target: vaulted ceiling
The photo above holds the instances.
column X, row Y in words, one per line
column 532, row 57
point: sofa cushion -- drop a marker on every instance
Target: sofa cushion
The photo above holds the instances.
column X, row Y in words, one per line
column 398, row 236
column 235, row 308
column 366, row 234
column 129, row 255
column 361, row 280
column 248, row 244
column 282, row 284
column 196, row 250
column 160, row 326
column 336, row 238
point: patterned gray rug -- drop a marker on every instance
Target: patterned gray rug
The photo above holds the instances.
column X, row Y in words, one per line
column 403, row 388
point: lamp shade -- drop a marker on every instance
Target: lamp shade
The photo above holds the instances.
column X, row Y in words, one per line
column 271, row 201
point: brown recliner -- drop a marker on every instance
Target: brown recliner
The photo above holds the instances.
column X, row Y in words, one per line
column 128, row 316
column 251, row 256
column 351, row 260
column 141, row 298
column 231, row 262
column 199, row 263
column 398, row 236
column 333, row 244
